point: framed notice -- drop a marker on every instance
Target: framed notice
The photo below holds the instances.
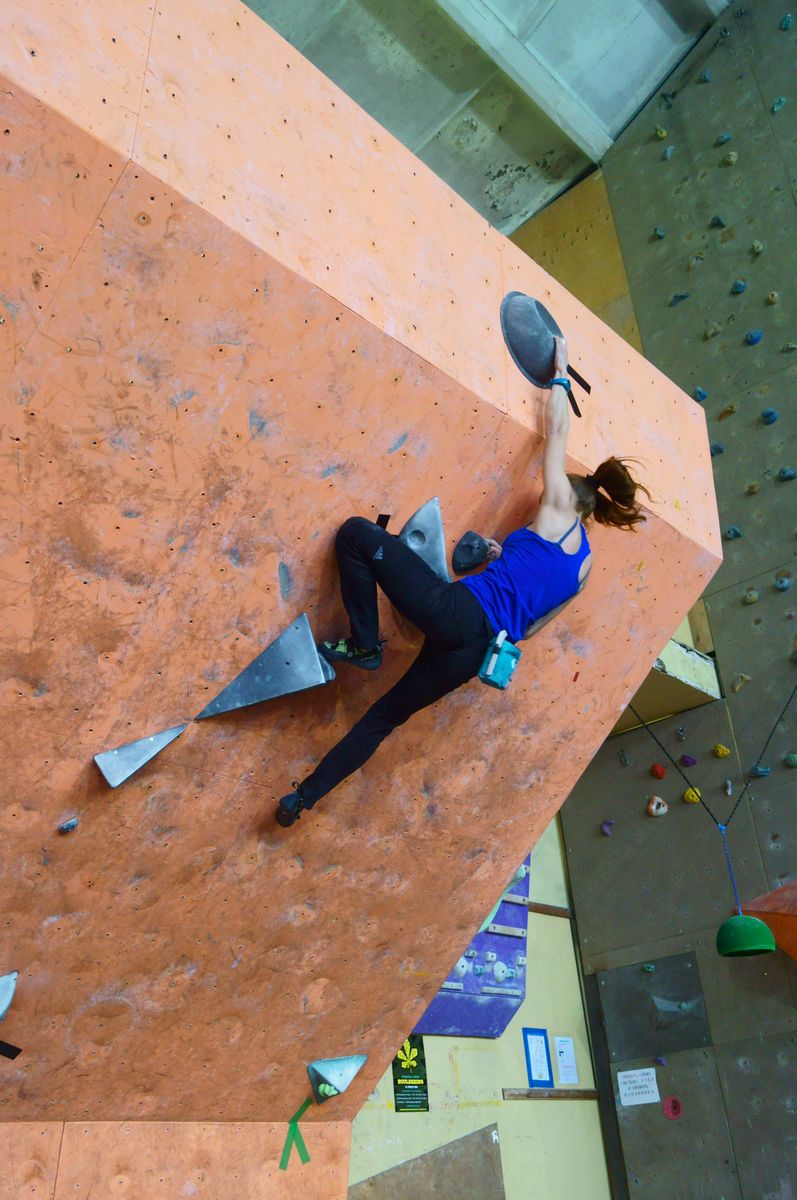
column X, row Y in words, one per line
column 410, row 1086
column 538, row 1058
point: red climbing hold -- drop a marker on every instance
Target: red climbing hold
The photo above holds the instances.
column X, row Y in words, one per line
column 657, row 771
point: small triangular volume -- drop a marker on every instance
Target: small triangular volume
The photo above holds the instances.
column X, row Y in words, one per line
column 423, row 533
column 290, row 664
column 331, row 1076
column 8, row 984
column 119, row 764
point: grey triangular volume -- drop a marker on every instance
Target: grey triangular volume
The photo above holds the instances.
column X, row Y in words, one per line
column 8, row 984
column 423, row 533
column 337, row 1072
column 290, row 664
column 119, row 764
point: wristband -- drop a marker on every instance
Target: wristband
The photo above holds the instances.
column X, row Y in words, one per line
column 564, row 382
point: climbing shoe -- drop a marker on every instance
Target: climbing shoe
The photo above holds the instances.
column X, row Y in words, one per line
column 345, row 650
column 290, row 807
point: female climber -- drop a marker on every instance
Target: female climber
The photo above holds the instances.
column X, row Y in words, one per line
column 538, row 569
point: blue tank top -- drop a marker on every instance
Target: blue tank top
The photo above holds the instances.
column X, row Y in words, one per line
column 531, row 577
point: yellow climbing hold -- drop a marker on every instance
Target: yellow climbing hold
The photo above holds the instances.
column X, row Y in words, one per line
column 692, row 795
column 661, row 133
column 721, row 751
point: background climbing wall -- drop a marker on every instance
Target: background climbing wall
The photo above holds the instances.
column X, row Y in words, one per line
column 655, row 889
column 206, row 367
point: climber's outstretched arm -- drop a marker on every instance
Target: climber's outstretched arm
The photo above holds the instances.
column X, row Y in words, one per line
column 557, row 492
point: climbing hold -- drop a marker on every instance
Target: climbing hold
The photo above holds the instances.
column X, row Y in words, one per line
column 786, row 22
column 701, row 394
column 728, row 411
column 688, row 760
column 778, row 105
column 716, row 223
column 711, row 331
column 658, row 771
column 672, row 1108
column 738, row 286
column 753, row 489
column 769, row 416
column 678, row 297
column 624, row 759
column 680, row 733
column 692, row 795
column 705, row 77
column 716, row 448
column 658, row 232
column 772, row 297
column 739, row 680
column 661, row 133
column 750, row 597
column 470, row 552
column 786, row 473
column 788, row 347
column 649, row 968
column 660, row 1060
column 753, row 337
column 760, row 772
column 728, row 787
column 119, row 764
column 68, row 826
column 723, row 138
column 667, row 153
column 335, row 1073
column 721, row 751
column 657, row 807
column 783, row 582
column 790, row 760
column 732, row 532
column 731, row 158
column 423, row 533
column 606, row 828
column 757, row 247
column 695, row 261
column 8, row 985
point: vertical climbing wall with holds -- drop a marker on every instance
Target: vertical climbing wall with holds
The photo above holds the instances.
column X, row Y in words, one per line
column 213, row 352
column 702, row 186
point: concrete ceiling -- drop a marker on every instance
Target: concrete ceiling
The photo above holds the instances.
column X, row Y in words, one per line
column 509, row 101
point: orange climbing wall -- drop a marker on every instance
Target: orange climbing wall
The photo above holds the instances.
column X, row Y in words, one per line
column 778, row 909
column 235, row 312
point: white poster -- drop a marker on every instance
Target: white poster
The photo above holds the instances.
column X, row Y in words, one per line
column 566, row 1060
column 638, row 1087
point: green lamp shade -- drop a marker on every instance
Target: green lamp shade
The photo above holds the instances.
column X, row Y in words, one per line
column 740, row 936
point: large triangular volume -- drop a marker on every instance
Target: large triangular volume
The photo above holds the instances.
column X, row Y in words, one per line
column 119, row 764
column 8, row 984
column 331, row 1076
column 290, row 664
column 423, row 533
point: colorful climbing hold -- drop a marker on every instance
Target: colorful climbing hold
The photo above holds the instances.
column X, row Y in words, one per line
column 678, row 297
column 716, row 448
column 721, row 751
column 760, row 772
column 786, row 22
column 787, row 473
column 753, row 489
column 657, row 807
column 753, row 337
column 705, row 77
column 783, row 582
column 606, row 828
column 769, row 415
column 68, row 826
column 750, row 597
column 738, row 286
column 778, row 105
column 739, row 680
column 672, row 1108
column 757, row 247
column 731, row 158
column 658, row 771
column 728, row 411
column 648, row 968
column 716, row 222
column 790, row 760
column 723, row 138
column 660, row 1060
column 661, row 133
column 658, row 232
column 700, row 394
column 772, row 297
column 692, row 795
column 732, row 532
column 667, row 153
column 688, row 760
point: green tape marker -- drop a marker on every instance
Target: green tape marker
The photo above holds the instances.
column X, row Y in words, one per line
column 295, row 1138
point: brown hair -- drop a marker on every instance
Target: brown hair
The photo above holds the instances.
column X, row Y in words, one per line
column 610, row 494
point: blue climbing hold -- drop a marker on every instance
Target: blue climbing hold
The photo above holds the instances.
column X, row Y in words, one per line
column 701, row 394
column 705, row 77
column 753, row 337
column 738, row 286
column 667, row 153
column 724, row 138
column 778, row 105
column 769, row 416
column 786, row 22
column 717, row 448
column 787, row 473
column 783, row 583
column 658, row 232
column 69, row 826
column 678, row 297
column 732, row 532
column 760, row 772
column 716, row 223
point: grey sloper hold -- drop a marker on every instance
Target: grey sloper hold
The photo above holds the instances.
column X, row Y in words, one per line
column 423, row 533
column 290, row 664
column 331, row 1076
column 8, row 984
column 119, row 764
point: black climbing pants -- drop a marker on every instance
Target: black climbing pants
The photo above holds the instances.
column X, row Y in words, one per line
column 456, row 628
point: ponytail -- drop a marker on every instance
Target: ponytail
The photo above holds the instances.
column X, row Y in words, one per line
column 610, row 494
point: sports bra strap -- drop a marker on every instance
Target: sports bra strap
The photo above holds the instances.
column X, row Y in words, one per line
column 570, row 530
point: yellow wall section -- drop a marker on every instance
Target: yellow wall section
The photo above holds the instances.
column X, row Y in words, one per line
column 549, row 1150
column 576, row 241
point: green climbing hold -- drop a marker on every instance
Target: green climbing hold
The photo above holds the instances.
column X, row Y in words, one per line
column 786, row 22
column 778, row 105
column 790, row 760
